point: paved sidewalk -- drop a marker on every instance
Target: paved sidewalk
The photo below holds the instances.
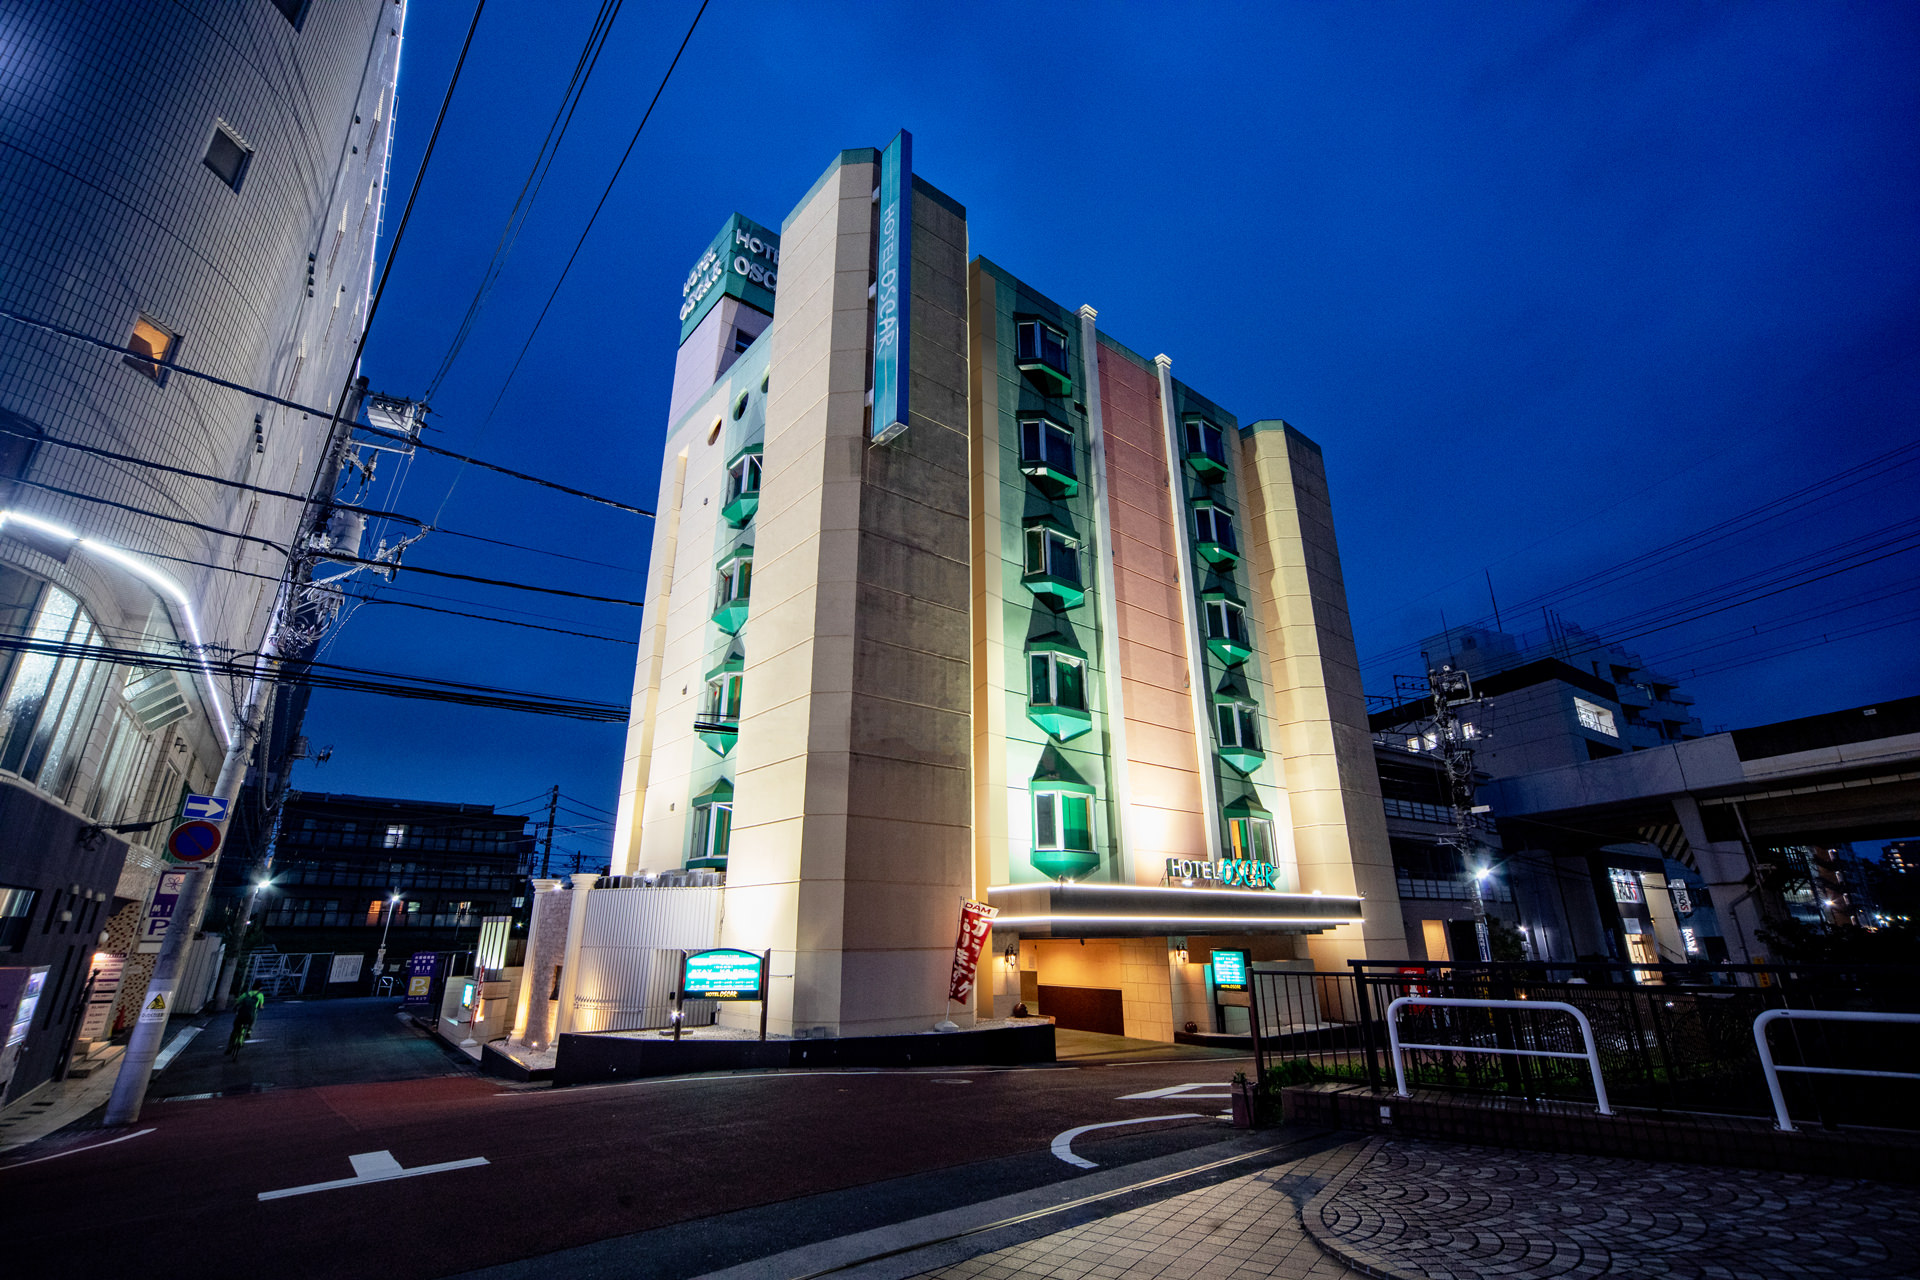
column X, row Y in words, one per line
column 1411, row 1210
column 58, row 1103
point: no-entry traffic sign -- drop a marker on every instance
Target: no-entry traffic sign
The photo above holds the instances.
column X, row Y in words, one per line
column 192, row 841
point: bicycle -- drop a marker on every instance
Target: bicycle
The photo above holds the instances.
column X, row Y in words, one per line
column 242, row 1032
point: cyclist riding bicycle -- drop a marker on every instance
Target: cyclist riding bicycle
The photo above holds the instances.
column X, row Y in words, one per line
column 245, row 1010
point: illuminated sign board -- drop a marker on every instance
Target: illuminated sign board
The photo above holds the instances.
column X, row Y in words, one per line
column 742, row 262
column 1229, row 971
column 893, row 290
column 723, row 974
column 1232, row 873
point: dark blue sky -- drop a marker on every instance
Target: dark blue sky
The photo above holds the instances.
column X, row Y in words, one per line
column 1554, row 285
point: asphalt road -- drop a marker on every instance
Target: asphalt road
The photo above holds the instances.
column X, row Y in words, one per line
column 673, row 1177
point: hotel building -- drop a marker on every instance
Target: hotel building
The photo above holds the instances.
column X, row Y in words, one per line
column 954, row 596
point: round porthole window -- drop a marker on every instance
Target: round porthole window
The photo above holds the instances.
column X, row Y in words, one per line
column 740, row 406
column 714, row 435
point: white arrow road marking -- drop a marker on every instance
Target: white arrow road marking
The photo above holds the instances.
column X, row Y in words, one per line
column 374, row 1166
column 1063, row 1145
column 1177, row 1091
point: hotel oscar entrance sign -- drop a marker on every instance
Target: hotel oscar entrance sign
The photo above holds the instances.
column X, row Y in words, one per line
column 723, row 973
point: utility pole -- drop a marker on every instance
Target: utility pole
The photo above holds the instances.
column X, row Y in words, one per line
column 1451, row 689
column 156, row 1006
column 546, row 851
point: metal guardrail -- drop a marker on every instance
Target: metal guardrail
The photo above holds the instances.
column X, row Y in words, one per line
column 1592, row 1054
column 1772, row 1069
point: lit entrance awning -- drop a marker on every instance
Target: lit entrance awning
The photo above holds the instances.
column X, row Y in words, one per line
column 1056, row 909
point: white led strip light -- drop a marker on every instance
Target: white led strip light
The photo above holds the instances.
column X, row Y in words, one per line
column 1001, row 922
column 1102, row 887
column 165, row 585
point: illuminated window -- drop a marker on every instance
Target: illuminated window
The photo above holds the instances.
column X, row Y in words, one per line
column 1594, row 717
column 153, row 344
column 396, row 838
column 1213, row 534
column 1046, row 454
column 1053, row 563
column 16, row 913
column 1239, row 734
column 1626, row 885
column 1063, row 831
column 227, row 156
column 1041, row 350
column 1249, row 833
column 1227, row 629
column 1206, row 449
column 743, row 487
column 1057, row 690
column 712, row 826
column 734, row 588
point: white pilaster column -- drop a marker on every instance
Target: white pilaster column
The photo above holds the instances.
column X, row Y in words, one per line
column 525, row 1025
column 1189, row 614
column 1119, row 789
column 570, row 966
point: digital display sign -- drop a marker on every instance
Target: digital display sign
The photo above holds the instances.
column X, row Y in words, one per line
column 1229, row 971
column 722, row 974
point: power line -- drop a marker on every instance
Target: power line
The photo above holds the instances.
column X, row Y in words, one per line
column 341, row 558
column 271, row 398
column 151, row 515
column 588, row 229
column 505, row 622
column 530, row 189
column 369, row 512
column 359, row 680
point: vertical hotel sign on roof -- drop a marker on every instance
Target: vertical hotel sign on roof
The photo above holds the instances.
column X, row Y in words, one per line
column 893, row 290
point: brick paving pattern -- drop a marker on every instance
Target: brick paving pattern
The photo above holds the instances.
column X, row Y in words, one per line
column 1238, row 1230
column 1412, row 1210
column 1435, row 1211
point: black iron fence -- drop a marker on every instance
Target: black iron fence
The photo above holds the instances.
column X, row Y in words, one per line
column 1668, row 1037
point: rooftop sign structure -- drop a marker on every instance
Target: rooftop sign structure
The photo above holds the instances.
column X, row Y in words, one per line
column 742, row 262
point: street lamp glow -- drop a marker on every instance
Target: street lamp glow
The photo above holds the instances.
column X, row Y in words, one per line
column 1482, row 873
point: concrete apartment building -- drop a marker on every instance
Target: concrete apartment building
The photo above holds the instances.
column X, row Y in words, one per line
column 201, row 182
column 953, row 596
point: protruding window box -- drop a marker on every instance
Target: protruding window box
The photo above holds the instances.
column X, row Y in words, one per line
column 1239, row 734
column 1057, row 688
column 1213, row 535
column 1053, row 563
column 736, row 585
column 719, row 723
column 743, row 487
column 719, row 735
column 1249, row 831
column 1041, row 351
column 712, row 827
column 1227, row 634
column 1046, row 456
column 1063, row 829
column 1206, row 450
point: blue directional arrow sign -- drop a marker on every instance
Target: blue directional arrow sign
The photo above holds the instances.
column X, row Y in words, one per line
column 205, row 808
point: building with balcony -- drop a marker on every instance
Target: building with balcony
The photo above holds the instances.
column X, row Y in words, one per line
column 200, row 184
column 956, row 596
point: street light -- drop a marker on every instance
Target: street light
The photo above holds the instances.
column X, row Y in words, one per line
column 380, row 958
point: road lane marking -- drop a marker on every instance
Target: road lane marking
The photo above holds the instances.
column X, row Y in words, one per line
column 77, row 1150
column 1063, row 1145
column 374, row 1166
column 1177, row 1091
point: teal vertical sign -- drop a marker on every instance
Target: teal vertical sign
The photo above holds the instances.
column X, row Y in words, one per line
column 893, row 290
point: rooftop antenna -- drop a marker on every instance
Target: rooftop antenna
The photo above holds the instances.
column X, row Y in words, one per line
column 1496, row 601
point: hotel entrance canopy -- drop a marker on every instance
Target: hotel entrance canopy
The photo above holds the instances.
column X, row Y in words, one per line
column 1065, row 909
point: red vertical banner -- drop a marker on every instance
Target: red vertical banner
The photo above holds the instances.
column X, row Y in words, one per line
column 976, row 922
